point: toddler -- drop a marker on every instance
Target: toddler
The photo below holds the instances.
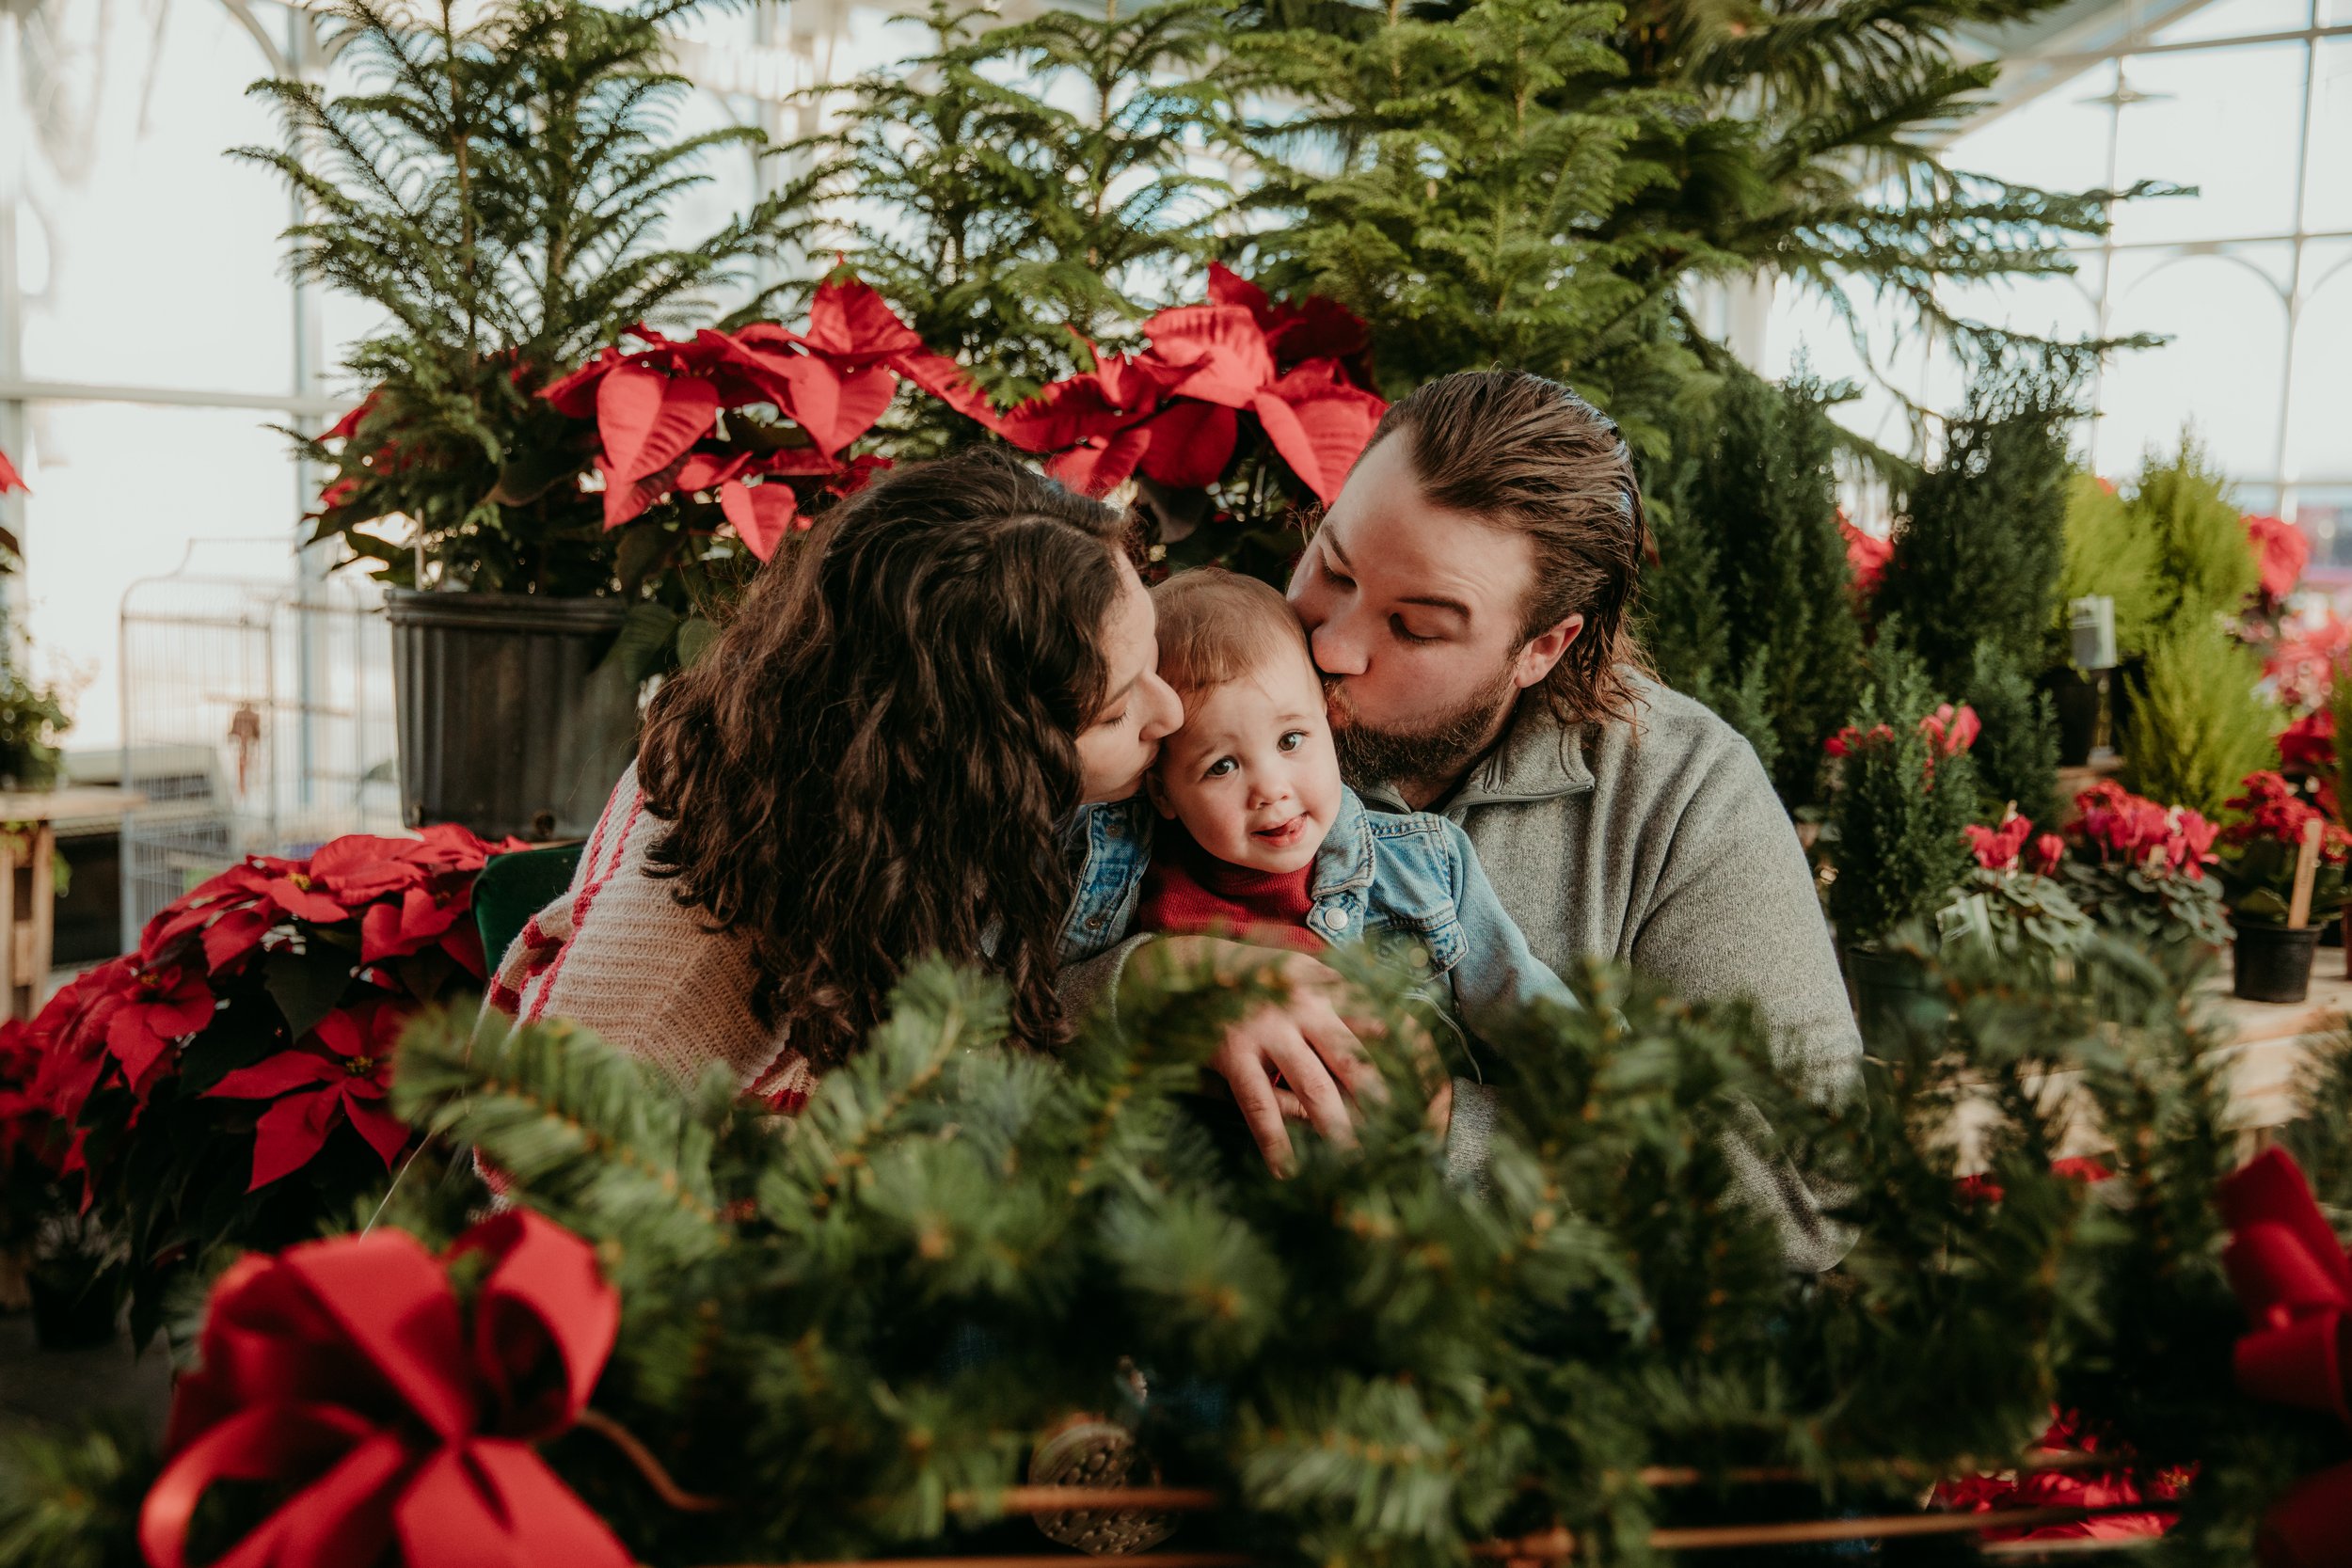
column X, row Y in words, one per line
column 1261, row 840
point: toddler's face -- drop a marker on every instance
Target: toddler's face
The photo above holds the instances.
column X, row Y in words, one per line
column 1253, row 774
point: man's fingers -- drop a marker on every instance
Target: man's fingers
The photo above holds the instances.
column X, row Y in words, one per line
column 1326, row 1110
column 1335, row 1045
column 1244, row 1069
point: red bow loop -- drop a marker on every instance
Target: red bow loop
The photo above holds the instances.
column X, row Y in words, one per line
column 2294, row 1279
column 341, row 1369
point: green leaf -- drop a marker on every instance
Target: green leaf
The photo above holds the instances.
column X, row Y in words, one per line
column 694, row 635
column 645, row 639
column 306, row 986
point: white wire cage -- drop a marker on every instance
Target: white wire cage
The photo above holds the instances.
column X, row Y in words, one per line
column 256, row 717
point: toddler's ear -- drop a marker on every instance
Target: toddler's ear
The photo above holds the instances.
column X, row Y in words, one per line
column 1158, row 795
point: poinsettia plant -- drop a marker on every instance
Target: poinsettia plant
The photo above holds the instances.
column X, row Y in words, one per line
column 2260, row 850
column 225, row 1083
column 2139, row 869
column 1239, row 414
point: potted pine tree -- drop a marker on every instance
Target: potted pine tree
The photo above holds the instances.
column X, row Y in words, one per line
column 498, row 189
column 2283, row 864
column 1905, row 795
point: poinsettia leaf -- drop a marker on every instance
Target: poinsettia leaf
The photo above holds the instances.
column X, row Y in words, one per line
column 1222, row 347
column 762, row 514
column 306, row 986
column 1227, row 287
column 642, row 646
column 1101, row 466
column 291, row 1131
column 280, row 1074
column 834, row 405
column 648, row 420
column 1190, row 444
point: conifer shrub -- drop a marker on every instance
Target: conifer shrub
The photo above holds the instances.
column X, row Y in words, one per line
column 2205, row 566
column 2017, row 750
column 1906, row 793
column 2110, row 551
column 2197, row 724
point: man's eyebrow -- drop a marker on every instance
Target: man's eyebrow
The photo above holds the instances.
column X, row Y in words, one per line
column 1434, row 603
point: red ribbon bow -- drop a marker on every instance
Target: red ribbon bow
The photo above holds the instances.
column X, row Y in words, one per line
column 2295, row 1281
column 341, row 1370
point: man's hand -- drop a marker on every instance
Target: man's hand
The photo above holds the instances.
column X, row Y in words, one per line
column 1303, row 1039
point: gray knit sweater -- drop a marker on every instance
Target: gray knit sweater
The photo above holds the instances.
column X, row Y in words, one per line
column 1664, row 844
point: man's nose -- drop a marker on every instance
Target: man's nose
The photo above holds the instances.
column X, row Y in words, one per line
column 1339, row 647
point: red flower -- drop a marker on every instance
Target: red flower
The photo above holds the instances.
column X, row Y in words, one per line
column 1997, row 849
column 1950, row 732
column 1846, row 742
column 1315, row 328
column 657, row 409
column 9, row 478
column 2304, row 661
column 161, row 1007
column 344, row 1080
column 2310, row 741
column 2048, row 850
column 1866, row 554
column 2275, row 812
column 2122, row 826
column 2283, row 550
column 1173, row 413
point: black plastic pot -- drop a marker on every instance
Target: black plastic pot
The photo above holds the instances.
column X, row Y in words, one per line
column 512, row 720
column 71, row 1310
column 2274, row 964
column 1892, row 996
column 2077, row 702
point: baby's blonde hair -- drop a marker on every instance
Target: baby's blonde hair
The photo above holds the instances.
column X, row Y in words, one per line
column 1217, row 625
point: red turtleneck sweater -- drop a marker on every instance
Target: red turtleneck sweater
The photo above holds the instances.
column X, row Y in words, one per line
column 1188, row 892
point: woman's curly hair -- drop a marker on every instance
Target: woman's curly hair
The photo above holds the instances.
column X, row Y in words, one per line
column 871, row 762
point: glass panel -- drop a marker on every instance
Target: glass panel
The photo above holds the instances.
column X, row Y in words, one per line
column 2237, row 18
column 2220, row 373
column 2325, row 513
column 731, row 185
column 2327, row 187
column 2058, row 141
column 92, row 527
column 2335, row 13
column 2319, row 406
column 152, row 259
column 2228, row 121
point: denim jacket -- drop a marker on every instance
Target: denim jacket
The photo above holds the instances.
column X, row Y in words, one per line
column 1412, row 875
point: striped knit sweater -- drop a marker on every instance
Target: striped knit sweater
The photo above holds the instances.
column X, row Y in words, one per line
column 617, row 954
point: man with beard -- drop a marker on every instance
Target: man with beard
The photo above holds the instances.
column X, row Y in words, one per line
column 1466, row 600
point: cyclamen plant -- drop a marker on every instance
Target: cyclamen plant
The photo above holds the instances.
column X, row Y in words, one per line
column 2027, row 909
column 2138, row 869
column 248, row 1042
column 2263, row 845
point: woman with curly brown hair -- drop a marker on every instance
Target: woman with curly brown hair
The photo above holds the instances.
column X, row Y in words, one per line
column 874, row 762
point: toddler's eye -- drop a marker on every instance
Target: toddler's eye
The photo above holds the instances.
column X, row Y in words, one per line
column 1292, row 741
column 1218, row 768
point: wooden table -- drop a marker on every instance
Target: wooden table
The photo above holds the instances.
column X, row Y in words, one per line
column 28, row 879
column 2272, row 1039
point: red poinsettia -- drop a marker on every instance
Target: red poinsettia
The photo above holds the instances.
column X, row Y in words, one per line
column 9, row 478
column 659, row 410
column 2118, row 825
column 1866, row 554
column 2283, row 550
column 1175, row 412
column 342, row 1076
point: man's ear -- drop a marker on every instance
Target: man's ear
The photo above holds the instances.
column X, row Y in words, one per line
column 1545, row 650
column 1157, row 796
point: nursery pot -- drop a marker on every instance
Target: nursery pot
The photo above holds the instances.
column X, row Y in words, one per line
column 512, row 720
column 2273, row 964
column 1892, row 997
column 2075, row 701
column 71, row 1308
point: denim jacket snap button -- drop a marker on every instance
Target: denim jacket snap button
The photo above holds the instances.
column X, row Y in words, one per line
column 1335, row 919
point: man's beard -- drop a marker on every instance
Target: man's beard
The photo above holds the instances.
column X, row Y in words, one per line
column 1435, row 750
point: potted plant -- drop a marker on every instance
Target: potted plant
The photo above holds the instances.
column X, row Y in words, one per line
column 2284, row 865
column 2138, row 870
column 497, row 189
column 1906, row 789
column 2026, row 912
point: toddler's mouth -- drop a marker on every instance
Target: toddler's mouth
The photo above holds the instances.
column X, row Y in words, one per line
column 1282, row 835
